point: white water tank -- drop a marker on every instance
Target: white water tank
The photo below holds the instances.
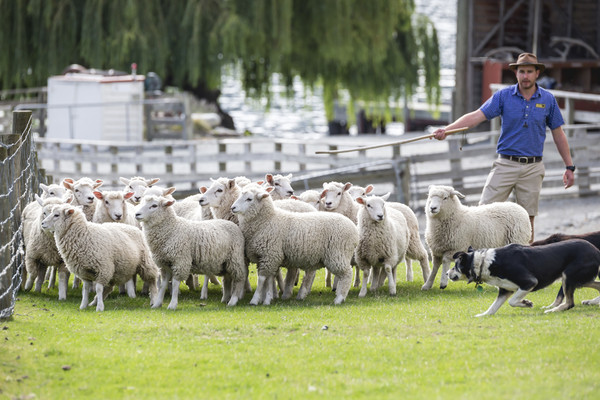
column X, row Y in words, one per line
column 96, row 107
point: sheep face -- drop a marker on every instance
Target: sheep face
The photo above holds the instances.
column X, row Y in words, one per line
column 281, row 184
column 332, row 193
column 247, row 200
column 52, row 190
column 438, row 197
column 359, row 191
column 57, row 214
column 215, row 193
column 375, row 206
column 311, row 197
column 114, row 203
column 83, row 189
column 150, row 205
column 138, row 186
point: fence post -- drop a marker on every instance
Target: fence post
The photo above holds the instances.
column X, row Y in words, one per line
column 11, row 208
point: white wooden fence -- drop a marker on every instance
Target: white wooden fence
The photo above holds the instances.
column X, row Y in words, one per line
column 461, row 161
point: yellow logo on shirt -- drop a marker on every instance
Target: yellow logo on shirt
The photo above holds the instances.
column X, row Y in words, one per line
column 540, row 105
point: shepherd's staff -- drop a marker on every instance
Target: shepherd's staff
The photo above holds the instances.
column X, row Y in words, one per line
column 448, row 132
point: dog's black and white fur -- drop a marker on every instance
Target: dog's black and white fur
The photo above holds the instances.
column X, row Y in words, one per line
column 518, row 269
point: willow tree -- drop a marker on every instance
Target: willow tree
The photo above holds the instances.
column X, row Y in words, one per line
column 373, row 49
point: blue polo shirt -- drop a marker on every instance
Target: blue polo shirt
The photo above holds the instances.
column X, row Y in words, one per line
column 523, row 121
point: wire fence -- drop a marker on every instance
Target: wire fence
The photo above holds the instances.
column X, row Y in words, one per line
column 20, row 177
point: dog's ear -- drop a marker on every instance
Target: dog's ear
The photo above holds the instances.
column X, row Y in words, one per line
column 458, row 254
column 471, row 249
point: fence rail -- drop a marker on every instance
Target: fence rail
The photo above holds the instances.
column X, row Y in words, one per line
column 460, row 161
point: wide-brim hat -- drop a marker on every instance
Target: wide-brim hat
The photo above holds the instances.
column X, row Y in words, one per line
column 527, row 59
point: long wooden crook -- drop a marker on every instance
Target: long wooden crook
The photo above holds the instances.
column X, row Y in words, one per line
column 448, row 132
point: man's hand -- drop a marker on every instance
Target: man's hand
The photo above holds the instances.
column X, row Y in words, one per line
column 568, row 178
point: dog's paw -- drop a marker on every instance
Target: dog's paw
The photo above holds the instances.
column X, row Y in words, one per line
column 527, row 303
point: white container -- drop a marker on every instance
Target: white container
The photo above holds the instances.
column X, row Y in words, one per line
column 96, row 107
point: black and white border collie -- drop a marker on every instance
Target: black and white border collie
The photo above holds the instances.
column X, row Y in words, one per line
column 518, row 269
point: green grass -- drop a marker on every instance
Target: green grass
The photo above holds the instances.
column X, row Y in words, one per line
column 417, row 345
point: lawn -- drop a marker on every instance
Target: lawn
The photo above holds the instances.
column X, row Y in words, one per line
column 416, row 345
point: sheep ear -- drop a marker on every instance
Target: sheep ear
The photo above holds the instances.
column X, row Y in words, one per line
column 386, row 196
column 168, row 191
column 323, row 193
column 262, row 196
column 260, row 182
column 44, row 187
column 369, row 188
column 168, row 203
column 69, row 211
column 124, row 181
column 128, row 195
column 231, row 183
column 294, row 197
column 68, row 183
column 289, row 176
column 69, row 199
column 152, row 181
column 98, row 194
column 98, row 183
column 269, row 178
column 458, row 194
column 347, row 186
column 39, row 200
column 269, row 189
column 202, row 189
column 360, row 200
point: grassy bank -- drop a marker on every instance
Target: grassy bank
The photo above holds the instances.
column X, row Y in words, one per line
column 415, row 345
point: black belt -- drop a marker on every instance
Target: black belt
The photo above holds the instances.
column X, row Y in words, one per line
column 521, row 159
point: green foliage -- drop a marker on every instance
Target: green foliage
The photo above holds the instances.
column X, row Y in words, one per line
column 373, row 49
column 417, row 345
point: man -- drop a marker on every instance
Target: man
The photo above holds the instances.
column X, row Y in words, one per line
column 526, row 109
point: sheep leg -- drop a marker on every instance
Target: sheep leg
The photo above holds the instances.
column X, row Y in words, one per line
column 437, row 261
column 446, row 261
column 345, row 281
column 123, row 289
column 165, row 277
column 382, row 276
column 130, row 288
column 226, row 289
column 356, row 276
column 41, row 275
column 307, row 282
column 290, row 278
column 204, row 290
column 237, row 291
column 190, row 282
column 389, row 270
column 409, row 269
column 327, row 278
column 271, row 288
column 51, row 277
column 174, row 293
column 99, row 297
column 76, row 281
column 214, row 280
column 63, row 282
column 145, row 289
column 280, row 281
column 260, row 287
column 31, row 276
column 85, row 294
column 363, row 288
column 275, row 291
column 375, row 281
column 424, row 263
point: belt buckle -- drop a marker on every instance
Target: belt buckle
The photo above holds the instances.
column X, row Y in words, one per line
column 524, row 160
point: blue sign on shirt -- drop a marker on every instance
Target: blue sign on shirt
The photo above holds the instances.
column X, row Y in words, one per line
column 524, row 122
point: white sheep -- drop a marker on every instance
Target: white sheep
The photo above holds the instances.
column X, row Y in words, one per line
column 293, row 205
column 452, row 227
column 189, row 208
column 112, row 206
column 311, row 197
column 383, row 240
column 138, row 185
column 181, row 247
column 40, row 247
column 219, row 197
column 107, row 254
column 52, row 190
column 307, row 241
column 282, row 186
column 83, row 194
column 416, row 250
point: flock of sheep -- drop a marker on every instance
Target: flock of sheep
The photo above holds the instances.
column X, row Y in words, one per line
column 109, row 238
